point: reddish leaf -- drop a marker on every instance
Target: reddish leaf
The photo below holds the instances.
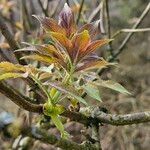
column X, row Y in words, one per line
column 50, row 25
column 92, row 27
column 95, row 64
column 94, row 45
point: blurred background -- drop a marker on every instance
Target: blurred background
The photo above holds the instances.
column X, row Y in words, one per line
column 133, row 70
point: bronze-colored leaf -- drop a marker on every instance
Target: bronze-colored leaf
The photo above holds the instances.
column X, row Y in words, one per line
column 50, row 24
column 94, row 45
column 95, row 64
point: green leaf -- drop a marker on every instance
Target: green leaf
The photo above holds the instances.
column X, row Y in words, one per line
column 53, row 111
column 112, row 85
column 59, row 125
column 92, row 91
column 67, row 90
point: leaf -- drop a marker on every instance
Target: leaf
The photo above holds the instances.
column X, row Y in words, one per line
column 94, row 64
column 9, row 67
column 92, row 27
column 112, row 85
column 67, row 90
column 81, row 40
column 53, row 112
column 92, row 91
column 94, row 45
column 62, row 39
column 45, row 76
column 66, row 20
column 50, row 24
column 10, row 75
column 59, row 125
column 41, row 58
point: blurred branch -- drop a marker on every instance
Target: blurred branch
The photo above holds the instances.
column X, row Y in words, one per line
column 43, row 9
column 94, row 13
column 130, row 30
column 127, row 38
column 67, row 1
column 80, row 11
column 102, row 19
column 10, row 39
column 108, row 27
column 43, row 136
column 4, row 56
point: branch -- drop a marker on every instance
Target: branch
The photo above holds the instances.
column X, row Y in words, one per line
column 43, row 136
column 96, row 117
column 127, row 38
column 10, row 39
column 120, row 120
column 43, row 9
column 19, row 99
column 80, row 11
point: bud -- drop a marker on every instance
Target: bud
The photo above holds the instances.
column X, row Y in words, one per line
column 66, row 19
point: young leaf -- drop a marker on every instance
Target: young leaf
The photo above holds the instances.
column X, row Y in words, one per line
column 59, row 125
column 50, row 24
column 94, row 45
column 94, row 64
column 81, row 40
column 66, row 20
column 67, row 90
column 92, row 91
column 62, row 39
column 112, row 85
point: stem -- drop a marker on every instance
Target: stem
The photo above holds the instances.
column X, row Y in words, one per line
column 43, row 88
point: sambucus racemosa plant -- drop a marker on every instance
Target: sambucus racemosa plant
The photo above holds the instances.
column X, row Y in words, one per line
column 70, row 59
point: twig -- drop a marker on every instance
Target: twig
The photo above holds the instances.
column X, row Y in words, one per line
column 67, row 1
column 4, row 55
column 127, row 38
column 80, row 11
column 43, row 9
column 102, row 19
column 121, row 120
column 130, row 30
column 97, row 9
column 108, row 28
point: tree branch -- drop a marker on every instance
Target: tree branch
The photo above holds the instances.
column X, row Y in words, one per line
column 43, row 136
column 96, row 117
column 19, row 99
column 10, row 39
column 120, row 120
column 80, row 11
column 127, row 38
